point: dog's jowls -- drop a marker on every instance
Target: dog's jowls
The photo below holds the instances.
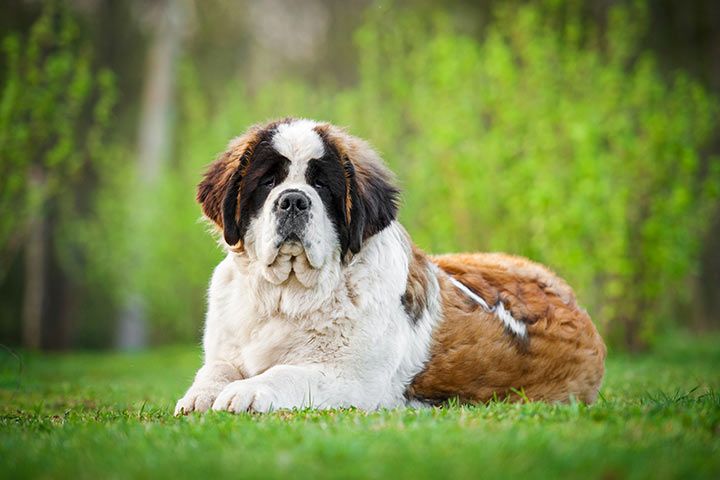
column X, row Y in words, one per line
column 323, row 300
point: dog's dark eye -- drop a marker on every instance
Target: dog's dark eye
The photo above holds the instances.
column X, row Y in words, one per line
column 268, row 182
column 319, row 184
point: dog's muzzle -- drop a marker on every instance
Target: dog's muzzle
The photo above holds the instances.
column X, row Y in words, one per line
column 292, row 210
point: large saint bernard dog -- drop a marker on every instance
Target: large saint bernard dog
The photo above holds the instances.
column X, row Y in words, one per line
column 323, row 301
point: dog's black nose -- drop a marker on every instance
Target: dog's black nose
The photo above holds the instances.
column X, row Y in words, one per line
column 293, row 201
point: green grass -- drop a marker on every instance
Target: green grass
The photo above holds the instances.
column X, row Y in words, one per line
column 99, row 415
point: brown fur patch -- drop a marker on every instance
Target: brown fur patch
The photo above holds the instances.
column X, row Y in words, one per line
column 475, row 359
column 414, row 300
column 212, row 188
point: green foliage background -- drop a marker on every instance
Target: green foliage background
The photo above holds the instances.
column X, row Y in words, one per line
column 50, row 86
column 544, row 138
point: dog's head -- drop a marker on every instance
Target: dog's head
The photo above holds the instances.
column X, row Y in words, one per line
column 297, row 190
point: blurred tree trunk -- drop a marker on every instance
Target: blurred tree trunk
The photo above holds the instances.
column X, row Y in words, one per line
column 157, row 100
column 708, row 285
column 168, row 24
column 47, row 304
column 687, row 36
column 34, row 293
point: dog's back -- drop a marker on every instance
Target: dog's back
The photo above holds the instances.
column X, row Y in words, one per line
column 512, row 329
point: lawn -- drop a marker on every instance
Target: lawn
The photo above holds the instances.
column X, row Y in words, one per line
column 100, row 415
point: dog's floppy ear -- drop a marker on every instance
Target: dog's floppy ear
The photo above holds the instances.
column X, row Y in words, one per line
column 231, row 208
column 211, row 189
column 354, row 226
column 219, row 190
column 375, row 202
column 371, row 199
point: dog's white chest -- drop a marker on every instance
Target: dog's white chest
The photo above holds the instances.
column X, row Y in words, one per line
column 268, row 343
column 265, row 326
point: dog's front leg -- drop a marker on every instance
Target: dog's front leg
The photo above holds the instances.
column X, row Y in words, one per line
column 209, row 382
column 283, row 387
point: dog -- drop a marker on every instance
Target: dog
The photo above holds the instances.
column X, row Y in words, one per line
column 323, row 301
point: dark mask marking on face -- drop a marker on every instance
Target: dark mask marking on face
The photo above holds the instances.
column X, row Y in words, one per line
column 326, row 176
column 267, row 169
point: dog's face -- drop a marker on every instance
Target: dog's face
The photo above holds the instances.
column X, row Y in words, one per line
column 296, row 196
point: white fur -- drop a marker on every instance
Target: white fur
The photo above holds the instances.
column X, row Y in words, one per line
column 298, row 142
column 295, row 327
column 516, row 327
column 291, row 346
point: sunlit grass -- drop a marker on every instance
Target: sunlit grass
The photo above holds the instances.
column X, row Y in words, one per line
column 93, row 415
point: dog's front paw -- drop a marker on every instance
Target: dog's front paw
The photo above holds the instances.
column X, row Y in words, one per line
column 195, row 401
column 246, row 396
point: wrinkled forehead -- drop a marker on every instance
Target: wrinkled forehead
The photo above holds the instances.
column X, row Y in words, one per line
column 298, row 142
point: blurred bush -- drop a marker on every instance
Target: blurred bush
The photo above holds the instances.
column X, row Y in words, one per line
column 553, row 141
column 544, row 137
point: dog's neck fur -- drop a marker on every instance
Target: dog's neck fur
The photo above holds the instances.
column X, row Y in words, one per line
column 379, row 269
